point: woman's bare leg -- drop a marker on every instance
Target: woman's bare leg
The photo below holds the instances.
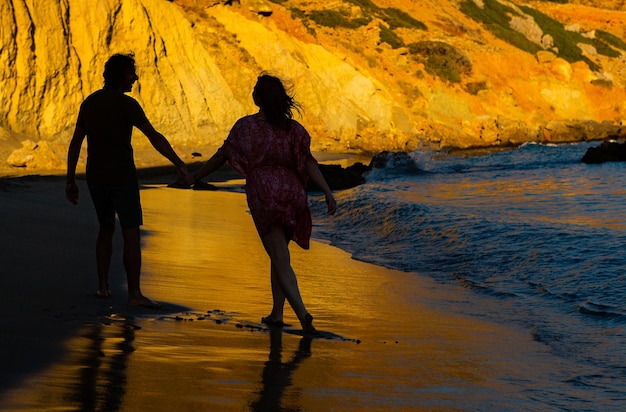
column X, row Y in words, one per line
column 278, row 250
column 278, row 297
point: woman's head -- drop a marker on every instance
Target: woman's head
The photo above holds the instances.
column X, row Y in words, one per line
column 274, row 100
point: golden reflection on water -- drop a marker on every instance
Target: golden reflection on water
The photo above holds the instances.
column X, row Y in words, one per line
column 201, row 253
column 547, row 199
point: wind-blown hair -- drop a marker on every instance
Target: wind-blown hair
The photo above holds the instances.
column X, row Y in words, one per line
column 275, row 100
column 116, row 67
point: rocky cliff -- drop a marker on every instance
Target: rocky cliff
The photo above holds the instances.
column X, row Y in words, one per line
column 372, row 75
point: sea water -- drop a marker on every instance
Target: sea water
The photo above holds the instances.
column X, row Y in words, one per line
column 533, row 229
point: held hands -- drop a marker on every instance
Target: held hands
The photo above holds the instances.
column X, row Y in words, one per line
column 182, row 173
column 190, row 178
column 183, row 177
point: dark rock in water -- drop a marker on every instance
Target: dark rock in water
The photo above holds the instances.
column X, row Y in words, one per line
column 400, row 162
column 606, row 152
column 382, row 159
column 339, row 178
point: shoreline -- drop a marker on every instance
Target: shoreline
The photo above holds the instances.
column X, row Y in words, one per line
column 150, row 163
column 203, row 260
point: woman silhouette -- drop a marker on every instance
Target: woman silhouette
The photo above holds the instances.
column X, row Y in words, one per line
column 272, row 151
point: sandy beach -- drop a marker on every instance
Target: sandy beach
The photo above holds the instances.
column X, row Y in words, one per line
column 390, row 340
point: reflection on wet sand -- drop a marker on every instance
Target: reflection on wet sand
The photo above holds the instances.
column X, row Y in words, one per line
column 102, row 382
column 93, row 377
column 276, row 376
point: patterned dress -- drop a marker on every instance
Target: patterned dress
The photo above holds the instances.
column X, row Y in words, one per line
column 273, row 162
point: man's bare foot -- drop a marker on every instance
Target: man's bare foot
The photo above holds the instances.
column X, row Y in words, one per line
column 144, row 302
column 103, row 293
column 103, row 289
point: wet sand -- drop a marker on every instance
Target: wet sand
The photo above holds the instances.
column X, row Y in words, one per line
column 390, row 340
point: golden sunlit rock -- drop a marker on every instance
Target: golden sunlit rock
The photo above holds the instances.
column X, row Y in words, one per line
column 376, row 80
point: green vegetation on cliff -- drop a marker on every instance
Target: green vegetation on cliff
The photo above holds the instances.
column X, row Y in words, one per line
column 611, row 40
column 565, row 41
column 333, row 19
column 392, row 17
column 497, row 18
column 396, row 18
column 387, row 35
column 441, row 60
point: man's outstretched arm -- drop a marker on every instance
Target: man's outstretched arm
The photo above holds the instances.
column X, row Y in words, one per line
column 163, row 146
column 73, row 152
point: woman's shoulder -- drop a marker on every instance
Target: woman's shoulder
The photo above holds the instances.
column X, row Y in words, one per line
column 296, row 125
column 247, row 120
column 242, row 123
column 298, row 128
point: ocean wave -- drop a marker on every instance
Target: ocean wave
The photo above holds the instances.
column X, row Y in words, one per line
column 522, row 234
column 528, row 156
column 602, row 311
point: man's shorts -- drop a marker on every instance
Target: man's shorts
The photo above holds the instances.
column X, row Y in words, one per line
column 121, row 199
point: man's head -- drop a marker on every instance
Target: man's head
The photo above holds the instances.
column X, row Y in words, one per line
column 119, row 72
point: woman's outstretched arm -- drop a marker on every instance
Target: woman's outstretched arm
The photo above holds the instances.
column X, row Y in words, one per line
column 215, row 162
column 313, row 170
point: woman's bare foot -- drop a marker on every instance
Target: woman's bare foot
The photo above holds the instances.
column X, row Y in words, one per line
column 144, row 302
column 307, row 325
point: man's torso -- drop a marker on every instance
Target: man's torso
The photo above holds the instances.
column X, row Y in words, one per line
column 108, row 117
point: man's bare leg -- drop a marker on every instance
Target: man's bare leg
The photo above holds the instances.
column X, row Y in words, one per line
column 104, row 251
column 132, row 264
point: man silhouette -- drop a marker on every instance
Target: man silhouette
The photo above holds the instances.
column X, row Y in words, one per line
column 107, row 118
